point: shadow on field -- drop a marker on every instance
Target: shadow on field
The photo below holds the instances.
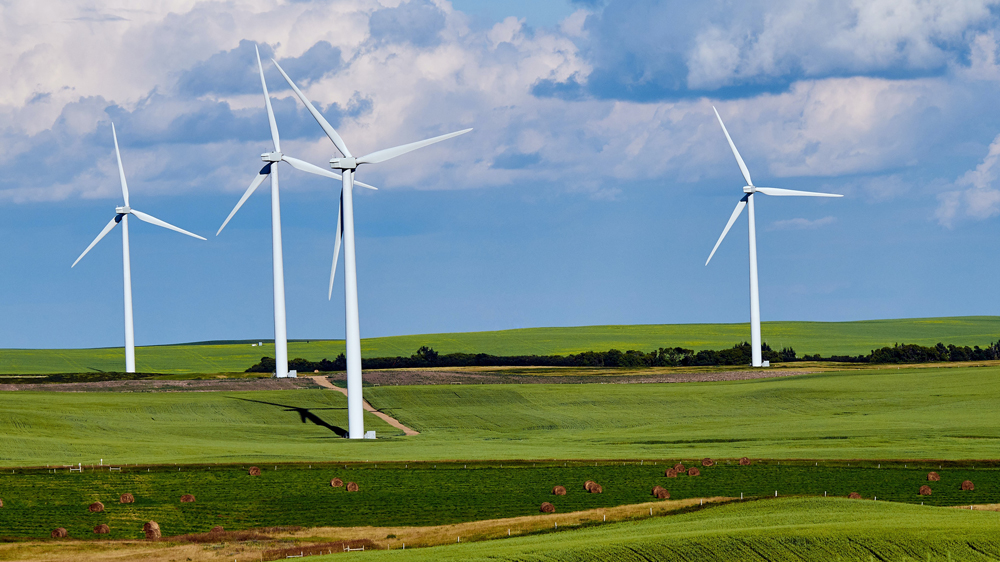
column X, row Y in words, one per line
column 305, row 414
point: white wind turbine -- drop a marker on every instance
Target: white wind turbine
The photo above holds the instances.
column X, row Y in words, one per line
column 345, row 230
column 747, row 201
column 277, row 264
column 121, row 216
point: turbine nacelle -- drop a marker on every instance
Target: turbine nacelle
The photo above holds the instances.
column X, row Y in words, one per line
column 749, row 189
column 344, row 163
column 272, row 156
column 123, row 210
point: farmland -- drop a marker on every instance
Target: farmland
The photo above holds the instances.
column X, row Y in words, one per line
column 420, row 494
column 791, row 529
column 825, row 338
column 921, row 413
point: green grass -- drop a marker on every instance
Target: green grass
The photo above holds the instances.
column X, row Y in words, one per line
column 36, row 501
column 825, row 338
column 927, row 413
column 792, row 529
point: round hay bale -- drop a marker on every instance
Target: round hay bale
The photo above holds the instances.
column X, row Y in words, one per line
column 679, row 467
column 126, row 498
column 707, row 462
column 588, row 484
column 152, row 530
column 661, row 493
column 254, row 471
column 58, row 533
column 670, row 473
column 854, row 496
column 187, row 498
column 102, row 529
column 217, row 529
column 694, row 472
column 559, row 491
column 744, row 462
column 596, row 489
column 547, row 508
column 96, row 507
column 925, row 490
column 967, row 486
column 352, row 487
column 337, row 483
column 933, row 477
column 1, row 503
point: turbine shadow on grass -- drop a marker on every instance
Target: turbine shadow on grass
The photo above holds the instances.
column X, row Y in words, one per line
column 305, row 414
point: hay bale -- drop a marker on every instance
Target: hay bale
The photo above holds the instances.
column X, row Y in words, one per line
column 95, row 507
column 559, row 491
column 596, row 489
column 588, row 484
column 933, row 477
column 254, row 471
column 187, row 498
column 670, row 473
column 337, row 483
column 102, row 529
column 547, row 508
column 1, row 503
column 707, row 462
column 679, row 467
column 126, row 498
column 352, row 487
column 967, row 486
column 854, row 496
column 694, row 472
column 744, row 462
column 58, row 533
column 152, row 530
column 661, row 493
column 217, row 529
column 925, row 490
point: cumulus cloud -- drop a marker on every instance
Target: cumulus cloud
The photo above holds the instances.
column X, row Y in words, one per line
column 977, row 196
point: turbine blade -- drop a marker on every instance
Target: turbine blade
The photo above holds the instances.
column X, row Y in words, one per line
column 389, row 153
column 314, row 169
column 264, row 172
column 327, row 128
column 336, row 247
column 779, row 192
column 153, row 220
column 736, row 153
column 107, row 229
column 732, row 219
column 267, row 103
column 121, row 170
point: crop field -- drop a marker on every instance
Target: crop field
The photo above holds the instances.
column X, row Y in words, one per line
column 927, row 413
column 790, row 529
column 37, row 500
column 825, row 338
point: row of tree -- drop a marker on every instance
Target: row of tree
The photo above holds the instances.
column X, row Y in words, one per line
column 663, row 357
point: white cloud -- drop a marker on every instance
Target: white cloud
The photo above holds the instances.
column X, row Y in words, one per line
column 977, row 196
column 802, row 224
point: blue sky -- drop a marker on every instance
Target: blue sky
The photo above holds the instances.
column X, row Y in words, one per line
column 591, row 191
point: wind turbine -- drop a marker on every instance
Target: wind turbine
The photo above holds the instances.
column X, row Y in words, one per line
column 277, row 263
column 345, row 231
column 747, row 201
column 121, row 216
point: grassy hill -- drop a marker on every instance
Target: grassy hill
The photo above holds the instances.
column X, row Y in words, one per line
column 928, row 413
column 825, row 338
column 773, row 530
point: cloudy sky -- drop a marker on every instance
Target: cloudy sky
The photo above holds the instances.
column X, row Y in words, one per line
column 591, row 191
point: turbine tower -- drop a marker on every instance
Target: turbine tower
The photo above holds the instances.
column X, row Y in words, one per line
column 121, row 216
column 277, row 263
column 347, row 164
column 747, row 201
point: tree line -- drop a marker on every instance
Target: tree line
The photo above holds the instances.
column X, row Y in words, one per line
column 739, row 354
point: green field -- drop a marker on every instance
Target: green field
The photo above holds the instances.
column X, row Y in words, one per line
column 825, row 338
column 37, row 501
column 927, row 413
column 774, row 530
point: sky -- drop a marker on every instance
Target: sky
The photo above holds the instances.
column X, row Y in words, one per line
column 590, row 192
